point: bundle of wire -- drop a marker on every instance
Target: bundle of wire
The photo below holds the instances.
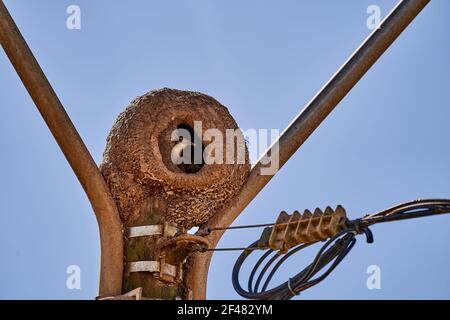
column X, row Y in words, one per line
column 328, row 257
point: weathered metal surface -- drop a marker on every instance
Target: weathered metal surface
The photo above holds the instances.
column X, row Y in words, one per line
column 73, row 148
column 170, row 246
column 304, row 125
column 155, row 261
column 145, row 249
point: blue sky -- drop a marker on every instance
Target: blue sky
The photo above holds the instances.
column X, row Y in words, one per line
column 387, row 142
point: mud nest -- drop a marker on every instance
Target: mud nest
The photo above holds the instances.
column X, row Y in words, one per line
column 137, row 161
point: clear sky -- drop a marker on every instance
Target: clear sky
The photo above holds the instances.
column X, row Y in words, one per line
column 386, row 143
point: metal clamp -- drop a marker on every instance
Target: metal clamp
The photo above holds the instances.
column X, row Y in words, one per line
column 162, row 268
column 165, row 230
column 171, row 251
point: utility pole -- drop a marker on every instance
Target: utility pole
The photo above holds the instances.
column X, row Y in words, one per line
column 153, row 233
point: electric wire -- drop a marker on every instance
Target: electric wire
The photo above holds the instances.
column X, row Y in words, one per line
column 330, row 255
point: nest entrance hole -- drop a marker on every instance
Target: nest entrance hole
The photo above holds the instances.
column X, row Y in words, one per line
column 191, row 166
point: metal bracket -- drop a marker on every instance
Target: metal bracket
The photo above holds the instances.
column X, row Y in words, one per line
column 162, row 268
column 172, row 249
column 165, row 230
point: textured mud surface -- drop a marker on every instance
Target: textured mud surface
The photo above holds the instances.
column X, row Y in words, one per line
column 137, row 164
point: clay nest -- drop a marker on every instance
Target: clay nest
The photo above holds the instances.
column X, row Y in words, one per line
column 137, row 161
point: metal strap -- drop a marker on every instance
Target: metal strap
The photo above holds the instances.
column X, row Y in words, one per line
column 142, row 231
column 152, row 230
column 152, row 266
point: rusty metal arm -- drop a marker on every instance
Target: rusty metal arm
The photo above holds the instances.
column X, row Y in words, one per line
column 74, row 150
column 304, row 125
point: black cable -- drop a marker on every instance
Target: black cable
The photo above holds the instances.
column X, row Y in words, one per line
column 255, row 268
column 264, row 270
column 282, row 260
column 330, row 254
column 303, row 280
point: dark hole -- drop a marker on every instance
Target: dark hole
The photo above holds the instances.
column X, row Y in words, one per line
column 191, row 166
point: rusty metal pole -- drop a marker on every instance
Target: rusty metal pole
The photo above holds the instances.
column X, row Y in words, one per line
column 304, row 125
column 73, row 148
